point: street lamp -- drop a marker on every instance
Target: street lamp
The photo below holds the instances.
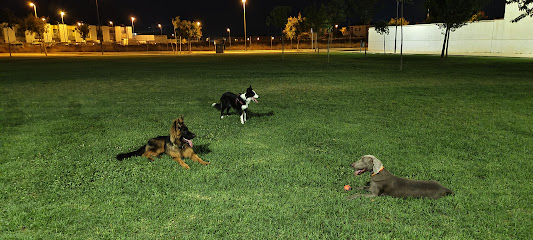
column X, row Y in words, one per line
column 244, row 10
column 160, row 28
column 132, row 26
column 198, row 23
column 111, row 23
column 229, row 36
column 34, row 8
column 62, row 14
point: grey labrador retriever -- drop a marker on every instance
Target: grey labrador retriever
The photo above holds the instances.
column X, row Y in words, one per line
column 384, row 183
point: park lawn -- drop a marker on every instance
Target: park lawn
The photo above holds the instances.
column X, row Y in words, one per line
column 466, row 122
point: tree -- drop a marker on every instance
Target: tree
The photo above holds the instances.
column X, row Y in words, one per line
column 178, row 32
column 478, row 17
column 382, row 28
column 295, row 28
column 8, row 20
column 33, row 25
column 316, row 20
column 83, row 30
column 451, row 15
column 398, row 22
column 345, row 32
column 277, row 19
column 523, row 5
column 186, row 30
column 365, row 9
column 334, row 12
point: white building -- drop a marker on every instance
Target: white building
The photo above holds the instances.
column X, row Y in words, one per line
column 67, row 34
column 487, row 36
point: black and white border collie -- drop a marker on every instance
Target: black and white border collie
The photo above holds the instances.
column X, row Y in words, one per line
column 238, row 102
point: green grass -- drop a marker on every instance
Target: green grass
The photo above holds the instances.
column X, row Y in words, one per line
column 466, row 122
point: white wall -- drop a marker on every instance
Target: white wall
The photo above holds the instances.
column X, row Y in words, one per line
column 490, row 36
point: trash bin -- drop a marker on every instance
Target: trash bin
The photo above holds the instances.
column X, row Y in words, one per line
column 219, row 48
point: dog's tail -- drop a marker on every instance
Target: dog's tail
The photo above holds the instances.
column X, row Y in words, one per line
column 217, row 106
column 137, row 152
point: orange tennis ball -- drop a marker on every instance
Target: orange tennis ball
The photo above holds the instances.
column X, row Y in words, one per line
column 347, row 187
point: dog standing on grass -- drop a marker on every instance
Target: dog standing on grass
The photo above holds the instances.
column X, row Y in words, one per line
column 384, row 183
column 238, row 102
column 178, row 145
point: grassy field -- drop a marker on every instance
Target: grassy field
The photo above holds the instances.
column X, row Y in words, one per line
column 466, row 122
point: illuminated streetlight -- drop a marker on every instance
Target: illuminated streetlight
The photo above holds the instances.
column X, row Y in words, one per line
column 229, row 36
column 111, row 23
column 198, row 23
column 132, row 26
column 160, row 28
column 44, row 19
column 244, row 10
column 62, row 14
column 34, row 8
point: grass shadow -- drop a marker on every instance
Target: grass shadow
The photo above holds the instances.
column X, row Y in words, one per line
column 202, row 149
column 259, row 115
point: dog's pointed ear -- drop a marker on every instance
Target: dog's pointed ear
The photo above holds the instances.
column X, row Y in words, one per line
column 376, row 164
column 181, row 119
column 175, row 131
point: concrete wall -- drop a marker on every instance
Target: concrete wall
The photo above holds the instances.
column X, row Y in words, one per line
column 490, row 36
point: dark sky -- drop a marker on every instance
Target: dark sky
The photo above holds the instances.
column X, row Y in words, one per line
column 215, row 15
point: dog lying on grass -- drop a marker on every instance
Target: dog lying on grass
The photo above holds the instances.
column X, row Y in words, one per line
column 384, row 183
column 238, row 102
column 178, row 145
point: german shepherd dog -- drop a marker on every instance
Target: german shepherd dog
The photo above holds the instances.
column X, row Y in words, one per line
column 178, row 145
column 238, row 102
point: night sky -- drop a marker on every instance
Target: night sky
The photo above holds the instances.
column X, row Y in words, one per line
column 215, row 15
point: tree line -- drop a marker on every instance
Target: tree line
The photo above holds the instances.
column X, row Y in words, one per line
column 321, row 16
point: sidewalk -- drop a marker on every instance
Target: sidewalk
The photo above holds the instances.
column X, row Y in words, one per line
column 288, row 51
column 517, row 55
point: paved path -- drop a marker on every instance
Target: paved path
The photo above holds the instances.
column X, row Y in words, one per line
column 186, row 53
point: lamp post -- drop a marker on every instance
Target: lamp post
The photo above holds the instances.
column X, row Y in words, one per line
column 99, row 34
column 111, row 23
column 229, row 36
column 244, row 10
column 62, row 14
column 198, row 36
column 34, row 8
column 160, row 28
column 132, row 26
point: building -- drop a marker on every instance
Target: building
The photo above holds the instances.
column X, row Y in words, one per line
column 67, row 34
column 359, row 31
